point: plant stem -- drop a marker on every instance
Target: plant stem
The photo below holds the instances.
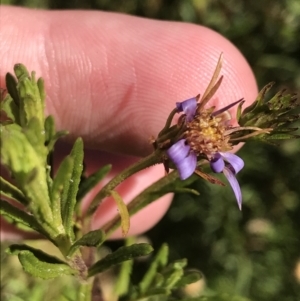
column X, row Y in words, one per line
column 85, row 291
column 154, row 158
column 140, row 201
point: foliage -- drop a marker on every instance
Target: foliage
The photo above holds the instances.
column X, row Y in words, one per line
column 255, row 253
column 33, row 196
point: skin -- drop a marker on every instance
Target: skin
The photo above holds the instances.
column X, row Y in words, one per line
column 113, row 79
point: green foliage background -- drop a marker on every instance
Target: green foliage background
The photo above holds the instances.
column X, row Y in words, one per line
column 254, row 253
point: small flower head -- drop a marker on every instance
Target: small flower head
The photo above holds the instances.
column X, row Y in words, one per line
column 205, row 134
column 206, row 137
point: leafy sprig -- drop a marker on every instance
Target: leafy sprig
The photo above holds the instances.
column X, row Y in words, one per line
column 48, row 202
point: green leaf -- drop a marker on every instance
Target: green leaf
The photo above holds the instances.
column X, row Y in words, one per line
column 49, row 129
column 168, row 277
column 123, row 211
column 167, row 184
column 188, row 278
column 19, row 216
column 275, row 113
column 11, row 85
column 91, row 239
column 155, row 295
column 239, row 111
column 176, row 265
column 60, row 182
column 20, row 71
column 123, row 281
column 90, row 182
column 35, row 134
column 10, row 108
column 71, row 187
column 12, row 192
column 32, row 97
column 173, row 278
column 158, row 262
column 173, row 273
column 152, row 159
column 122, row 254
column 51, row 136
column 39, row 264
column 281, row 136
column 170, row 183
column 20, row 157
column 41, row 87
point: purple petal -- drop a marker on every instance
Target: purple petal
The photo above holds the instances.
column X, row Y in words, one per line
column 234, row 185
column 227, row 107
column 235, row 161
column 178, row 151
column 189, row 107
column 217, row 164
column 184, row 160
column 187, row 166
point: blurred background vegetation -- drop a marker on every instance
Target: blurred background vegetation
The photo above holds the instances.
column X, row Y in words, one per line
column 256, row 253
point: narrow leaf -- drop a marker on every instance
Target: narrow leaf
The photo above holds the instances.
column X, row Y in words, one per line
column 210, row 90
column 39, row 264
column 209, row 177
column 123, row 281
column 159, row 262
column 123, row 211
column 239, row 111
column 122, row 254
column 31, row 102
column 60, row 182
column 188, row 278
column 11, row 85
column 71, row 189
column 211, row 93
column 10, row 108
column 173, row 273
column 51, row 136
column 19, row 216
column 176, row 265
column 280, row 136
column 91, row 239
column 173, row 278
column 41, row 87
column 90, row 182
column 169, row 183
column 49, row 129
column 25, row 165
column 20, row 71
column 11, row 191
column 35, row 134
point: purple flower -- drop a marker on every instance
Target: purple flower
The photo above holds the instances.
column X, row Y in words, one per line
column 184, row 156
column 189, row 107
column 233, row 166
column 180, row 152
column 184, row 159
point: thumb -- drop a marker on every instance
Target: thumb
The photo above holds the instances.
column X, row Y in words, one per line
column 113, row 78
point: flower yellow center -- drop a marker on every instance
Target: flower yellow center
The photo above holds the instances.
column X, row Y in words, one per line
column 206, row 134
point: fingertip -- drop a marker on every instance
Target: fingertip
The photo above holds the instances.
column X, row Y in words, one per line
column 113, row 78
